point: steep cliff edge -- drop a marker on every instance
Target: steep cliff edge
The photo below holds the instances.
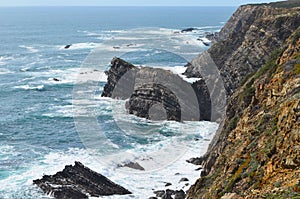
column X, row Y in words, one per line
column 247, row 40
column 257, row 152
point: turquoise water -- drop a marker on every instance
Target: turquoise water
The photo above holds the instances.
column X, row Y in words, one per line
column 37, row 130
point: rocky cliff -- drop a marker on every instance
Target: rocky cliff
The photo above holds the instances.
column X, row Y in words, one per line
column 255, row 154
column 247, row 41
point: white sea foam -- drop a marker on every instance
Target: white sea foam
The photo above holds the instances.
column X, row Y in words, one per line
column 68, row 76
column 29, row 48
column 4, row 71
column 79, row 46
column 141, row 184
column 204, row 39
column 5, row 59
column 30, row 87
column 179, row 70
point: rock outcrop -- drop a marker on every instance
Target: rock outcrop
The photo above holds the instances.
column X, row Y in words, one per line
column 255, row 153
column 78, row 182
column 157, row 94
column 124, row 72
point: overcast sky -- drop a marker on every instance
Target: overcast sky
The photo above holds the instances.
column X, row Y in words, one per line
column 128, row 2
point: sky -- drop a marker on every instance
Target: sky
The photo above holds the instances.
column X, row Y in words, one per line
column 129, row 2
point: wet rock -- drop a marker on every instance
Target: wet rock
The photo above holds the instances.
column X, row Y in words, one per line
column 159, row 193
column 168, row 184
column 179, row 194
column 132, row 165
column 168, row 194
column 188, row 30
column 75, row 182
column 68, row 46
column 195, row 161
column 184, row 180
column 198, row 169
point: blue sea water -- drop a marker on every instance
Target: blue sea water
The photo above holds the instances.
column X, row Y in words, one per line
column 37, row 130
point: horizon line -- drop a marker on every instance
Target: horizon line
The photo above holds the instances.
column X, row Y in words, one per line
column 10, row 6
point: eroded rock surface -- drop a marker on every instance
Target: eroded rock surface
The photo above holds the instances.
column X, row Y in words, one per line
column 78, row 182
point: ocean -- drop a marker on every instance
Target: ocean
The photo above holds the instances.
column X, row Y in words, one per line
column 46, row 123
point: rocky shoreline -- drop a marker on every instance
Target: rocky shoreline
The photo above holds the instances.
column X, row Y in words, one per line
column 255, row 152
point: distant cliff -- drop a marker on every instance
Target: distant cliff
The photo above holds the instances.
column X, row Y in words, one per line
column 256, row 154
column 247, row 41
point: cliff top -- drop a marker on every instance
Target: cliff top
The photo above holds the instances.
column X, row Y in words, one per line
column 282, row 4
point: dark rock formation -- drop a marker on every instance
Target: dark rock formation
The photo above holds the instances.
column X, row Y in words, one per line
column 120, row 81
column 68, row 46
column 184, row 180
column 179, row 194
column 78, row 182
column 157, row 94
column 155, row 102
column 188, row 30
column 133, row 165
column 170, row 194
column 159, row 193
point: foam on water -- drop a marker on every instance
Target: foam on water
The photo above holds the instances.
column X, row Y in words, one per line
column 80, row 46
column 30, row 87
column 141, row 184
column 4, row 71
column 4, row 59
column 31, row 49
column 178, row 70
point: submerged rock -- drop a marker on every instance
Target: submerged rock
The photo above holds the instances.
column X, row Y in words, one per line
column 78, row 182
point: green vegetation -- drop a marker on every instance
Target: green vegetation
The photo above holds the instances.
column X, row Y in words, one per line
column 245, row 79
column 290, row 192
column 237, row 175
column 248, row 92
column 233, row 123
column 296, row 36
column 296, row 56
column 297, row 69
column 271, row 65
column 282, row 4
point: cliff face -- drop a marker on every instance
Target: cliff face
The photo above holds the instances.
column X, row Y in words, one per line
column 247, row 40
column 256, row 154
